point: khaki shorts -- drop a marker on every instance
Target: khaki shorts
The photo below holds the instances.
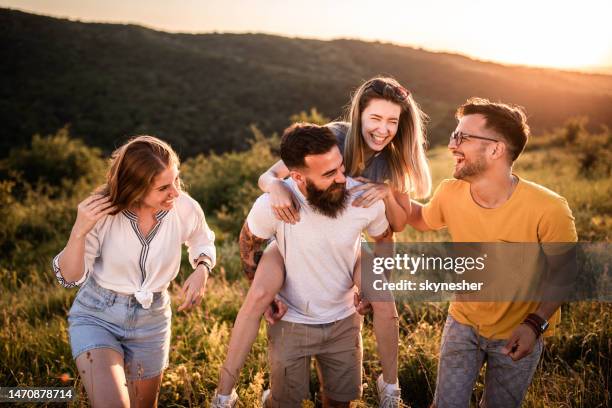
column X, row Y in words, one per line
column 337, row 350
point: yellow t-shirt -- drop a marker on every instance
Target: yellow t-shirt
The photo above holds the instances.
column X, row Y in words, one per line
column 532, row 214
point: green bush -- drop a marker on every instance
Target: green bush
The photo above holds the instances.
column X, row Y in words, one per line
column 313, row 116
column 226, row 185
column 56, row 161
column 574, row 128
column 594, row 153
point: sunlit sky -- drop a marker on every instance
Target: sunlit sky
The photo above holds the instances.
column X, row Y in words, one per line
column 562, row 34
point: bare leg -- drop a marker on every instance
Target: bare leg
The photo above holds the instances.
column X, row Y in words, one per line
column 386, row 330
column 144, row 393
column 103, row 376
column 268, row 281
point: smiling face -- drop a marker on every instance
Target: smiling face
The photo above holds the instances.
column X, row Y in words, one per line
column 471, row 157
column 323, row 183
column 379, row 123
column 164, row 190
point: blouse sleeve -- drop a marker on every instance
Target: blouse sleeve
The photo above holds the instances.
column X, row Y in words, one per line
column 201, row 239
column 92, row 251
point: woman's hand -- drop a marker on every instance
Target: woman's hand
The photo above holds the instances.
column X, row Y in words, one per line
column 194, row 288
column 284, row 204
column 372, row 192
column 89, row 211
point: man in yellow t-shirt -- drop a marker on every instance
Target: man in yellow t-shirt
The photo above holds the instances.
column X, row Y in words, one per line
column 487, row 202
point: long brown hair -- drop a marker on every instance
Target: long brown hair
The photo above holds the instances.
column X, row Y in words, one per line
column 408, row 167
column 133, row 167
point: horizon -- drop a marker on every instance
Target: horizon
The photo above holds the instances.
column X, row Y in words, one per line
column 556, row 52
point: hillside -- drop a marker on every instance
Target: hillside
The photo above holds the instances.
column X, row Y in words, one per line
column 201, row 92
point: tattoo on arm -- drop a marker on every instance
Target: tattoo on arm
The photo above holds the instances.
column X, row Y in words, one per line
column 250, row 251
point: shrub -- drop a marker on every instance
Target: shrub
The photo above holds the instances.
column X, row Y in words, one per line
column 55, row 160
column 226, row 185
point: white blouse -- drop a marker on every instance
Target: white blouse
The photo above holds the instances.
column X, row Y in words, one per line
column 121, row 259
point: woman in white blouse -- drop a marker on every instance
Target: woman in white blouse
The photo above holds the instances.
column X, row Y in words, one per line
column 125, row 248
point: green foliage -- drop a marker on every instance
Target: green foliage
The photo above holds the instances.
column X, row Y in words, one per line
column 201, row 92
column 574, row 371
column 54, row 161
column 34, row 225
column 594, row 153
column 574, row 128
column 314, row 116
column 40, row 187
column 226, row 185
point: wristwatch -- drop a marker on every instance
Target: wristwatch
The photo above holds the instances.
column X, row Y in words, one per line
column 538, row 324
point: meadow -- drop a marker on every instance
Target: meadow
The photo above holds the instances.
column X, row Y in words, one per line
column 40, row 186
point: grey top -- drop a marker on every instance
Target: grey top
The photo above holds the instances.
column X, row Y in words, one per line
column 377, row 168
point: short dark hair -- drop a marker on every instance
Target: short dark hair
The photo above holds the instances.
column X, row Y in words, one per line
column 508, row 120
column 304, row 139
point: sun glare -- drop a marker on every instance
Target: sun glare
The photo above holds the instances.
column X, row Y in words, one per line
column 562, row 34
column 550, row 33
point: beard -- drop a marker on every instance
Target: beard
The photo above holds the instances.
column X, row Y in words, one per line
column 329, row 202
column 471, row 169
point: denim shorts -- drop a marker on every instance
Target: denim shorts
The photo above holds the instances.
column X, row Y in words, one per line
column 102, row 318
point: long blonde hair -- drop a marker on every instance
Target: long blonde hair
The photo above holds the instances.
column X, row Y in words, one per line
column 408, row 167
column 133, row 168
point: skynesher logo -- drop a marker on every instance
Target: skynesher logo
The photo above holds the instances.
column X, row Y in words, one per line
column 405, row 262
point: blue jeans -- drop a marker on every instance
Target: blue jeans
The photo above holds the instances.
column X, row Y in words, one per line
column 463, row 353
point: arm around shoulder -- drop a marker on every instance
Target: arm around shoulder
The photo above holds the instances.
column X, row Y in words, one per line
column 277, row 172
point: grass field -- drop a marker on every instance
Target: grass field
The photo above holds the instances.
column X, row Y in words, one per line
column 574, row 372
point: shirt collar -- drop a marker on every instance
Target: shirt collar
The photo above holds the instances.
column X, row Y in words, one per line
column 130, row 215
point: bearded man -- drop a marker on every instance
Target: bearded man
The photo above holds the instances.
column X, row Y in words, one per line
column 320, row 256
column 487, row 202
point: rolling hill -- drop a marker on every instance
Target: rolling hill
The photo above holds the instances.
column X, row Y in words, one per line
column 202, row 91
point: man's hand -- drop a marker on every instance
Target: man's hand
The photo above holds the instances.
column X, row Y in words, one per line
column 275, row 311
column 521, row 342
column 363, row 306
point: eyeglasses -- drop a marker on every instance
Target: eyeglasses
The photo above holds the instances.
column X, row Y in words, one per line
column 458, row 137
column 379, row 86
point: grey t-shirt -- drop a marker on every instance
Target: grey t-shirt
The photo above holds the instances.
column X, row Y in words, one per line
column 377, row 169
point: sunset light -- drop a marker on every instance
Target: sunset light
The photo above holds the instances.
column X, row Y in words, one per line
column 560, row 34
